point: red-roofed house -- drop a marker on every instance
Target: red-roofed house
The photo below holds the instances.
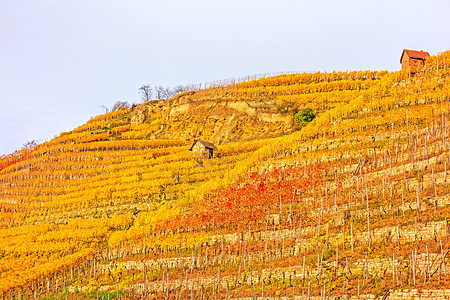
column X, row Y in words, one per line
column 413, row 59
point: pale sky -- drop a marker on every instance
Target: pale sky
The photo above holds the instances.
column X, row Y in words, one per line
column 61, row 60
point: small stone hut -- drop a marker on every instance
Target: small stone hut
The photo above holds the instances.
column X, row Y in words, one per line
column 413, row 59
column 205, row 150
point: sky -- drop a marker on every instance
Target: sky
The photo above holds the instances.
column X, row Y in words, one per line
column 61, row 61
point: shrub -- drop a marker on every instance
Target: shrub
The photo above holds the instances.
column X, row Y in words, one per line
column 303, row 117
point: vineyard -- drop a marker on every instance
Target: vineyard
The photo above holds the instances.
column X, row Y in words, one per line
column 353, row 204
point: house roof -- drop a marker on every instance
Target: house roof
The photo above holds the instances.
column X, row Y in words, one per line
column 415, row 54
column 206, row 144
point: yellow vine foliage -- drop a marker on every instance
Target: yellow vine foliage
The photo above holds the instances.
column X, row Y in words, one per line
column 108, row 183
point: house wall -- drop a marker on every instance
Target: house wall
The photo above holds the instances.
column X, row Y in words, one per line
column 405, row 61
column 199, row 149
column 209, row 153
column 202, row 151
column 414, row 64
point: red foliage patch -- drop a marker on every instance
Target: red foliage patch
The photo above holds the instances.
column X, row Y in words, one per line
column 247, row 203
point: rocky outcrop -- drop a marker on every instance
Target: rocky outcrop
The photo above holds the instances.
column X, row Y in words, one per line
column 217, row 120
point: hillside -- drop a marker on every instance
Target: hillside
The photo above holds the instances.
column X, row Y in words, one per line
column 354, row 203
column 250, row 110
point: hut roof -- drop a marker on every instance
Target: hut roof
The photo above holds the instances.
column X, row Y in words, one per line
column 206, row 144
column 414, row 54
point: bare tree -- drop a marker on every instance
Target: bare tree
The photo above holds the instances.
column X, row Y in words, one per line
column 31, row 145
column 160, row 91
column 117, row 106
column 120, row 105
column 167, row 93
column 146, row 92
column 177, row 89
column 105, row 108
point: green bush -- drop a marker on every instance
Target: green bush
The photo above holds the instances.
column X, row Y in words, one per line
column 304, row 116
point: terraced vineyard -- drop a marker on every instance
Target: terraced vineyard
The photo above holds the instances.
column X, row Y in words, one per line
column 353, row 204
